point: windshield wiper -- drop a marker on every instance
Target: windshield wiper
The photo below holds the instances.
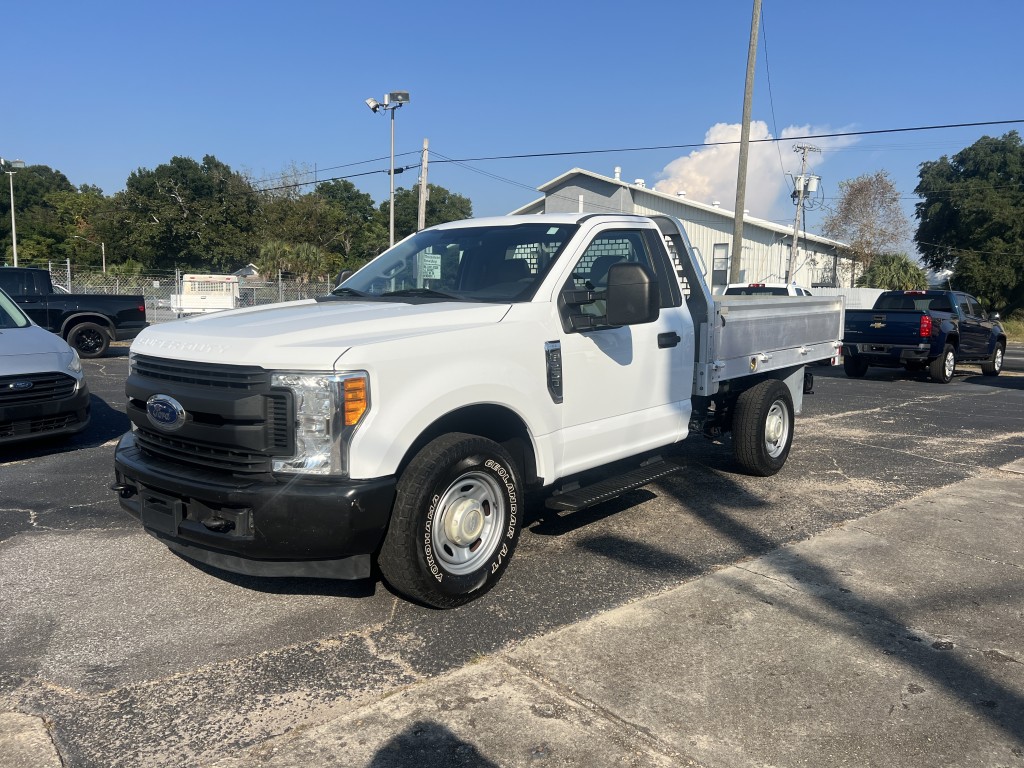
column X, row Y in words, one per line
column 341, row 291
column 428, row 293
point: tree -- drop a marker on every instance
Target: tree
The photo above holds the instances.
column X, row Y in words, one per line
column 894, row 272
column 442, row 206
column 868, row 218
column 971, row 219
column 189, row 215
column 39, row 223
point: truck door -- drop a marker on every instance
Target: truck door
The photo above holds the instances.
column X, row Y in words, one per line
column 21, row 286
column 974, row 334
column 626, row 389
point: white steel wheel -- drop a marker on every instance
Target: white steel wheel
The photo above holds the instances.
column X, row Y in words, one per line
column 468, row 522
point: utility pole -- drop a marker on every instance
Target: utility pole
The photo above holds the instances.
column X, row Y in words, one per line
column 421, row 213
column 741, row 173
column 800, row 188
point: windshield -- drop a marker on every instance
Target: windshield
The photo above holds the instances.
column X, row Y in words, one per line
column 485, row 263
column 11, row 315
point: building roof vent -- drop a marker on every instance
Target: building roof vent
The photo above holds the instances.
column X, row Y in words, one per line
column 681, row 193
column 640, row 183
column 717, row 204
column 618, row 173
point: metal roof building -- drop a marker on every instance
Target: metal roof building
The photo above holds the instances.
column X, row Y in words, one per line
column 766, row 245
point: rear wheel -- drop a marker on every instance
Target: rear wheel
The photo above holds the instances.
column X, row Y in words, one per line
column 89, row 339
column 995, row 363
column 855, row 367
column 942, row 367
column 762, row 428
column 455, row 523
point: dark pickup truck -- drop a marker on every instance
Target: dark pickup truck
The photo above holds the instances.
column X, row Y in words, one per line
column 920, row 330
column 88, row 321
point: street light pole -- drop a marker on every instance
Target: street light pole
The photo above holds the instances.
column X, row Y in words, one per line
column 14, row 229
column 392, row 101
column 391, row 208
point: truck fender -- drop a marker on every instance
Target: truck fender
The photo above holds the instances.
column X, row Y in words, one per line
column 86, row 317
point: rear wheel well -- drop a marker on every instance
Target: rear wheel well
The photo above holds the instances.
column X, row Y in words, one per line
column 101, row 320
column 494, row 422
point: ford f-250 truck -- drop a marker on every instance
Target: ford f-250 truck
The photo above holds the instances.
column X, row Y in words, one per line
column 920, row 330
column 88, row 321
column 405, row 416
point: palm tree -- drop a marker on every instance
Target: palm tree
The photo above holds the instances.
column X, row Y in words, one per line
column 894, row 272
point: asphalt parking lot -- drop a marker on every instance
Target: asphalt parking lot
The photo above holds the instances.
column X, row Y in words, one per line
column 136, row 657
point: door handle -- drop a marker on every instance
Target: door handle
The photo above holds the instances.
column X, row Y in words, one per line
column 668, row 339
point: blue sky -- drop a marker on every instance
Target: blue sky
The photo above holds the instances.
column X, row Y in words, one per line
column 98, row 90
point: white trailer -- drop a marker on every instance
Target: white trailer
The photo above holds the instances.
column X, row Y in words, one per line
column 200, row 294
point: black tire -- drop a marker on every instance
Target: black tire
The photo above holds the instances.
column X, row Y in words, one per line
column 89, row 339
column 995, row 363
column 762, row 428
column 855, row 367
column 941, row 369
column 455, row 522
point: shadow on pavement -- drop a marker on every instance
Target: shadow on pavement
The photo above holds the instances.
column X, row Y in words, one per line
column 988, row 698
column 427, row 744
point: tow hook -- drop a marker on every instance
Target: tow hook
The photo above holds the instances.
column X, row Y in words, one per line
column 123, row 491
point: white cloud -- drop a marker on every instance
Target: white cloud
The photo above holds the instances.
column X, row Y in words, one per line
column 709, row 174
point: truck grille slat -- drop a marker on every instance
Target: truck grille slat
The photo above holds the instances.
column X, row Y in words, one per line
column 202, row 374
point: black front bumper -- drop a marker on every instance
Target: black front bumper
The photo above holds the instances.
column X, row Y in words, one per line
column 52, row 418
column 261, row 526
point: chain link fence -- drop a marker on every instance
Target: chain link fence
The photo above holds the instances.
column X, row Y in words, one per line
column 159, row 288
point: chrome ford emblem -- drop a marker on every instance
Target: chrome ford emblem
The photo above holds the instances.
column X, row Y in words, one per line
column 20, row 386
column 165, row 413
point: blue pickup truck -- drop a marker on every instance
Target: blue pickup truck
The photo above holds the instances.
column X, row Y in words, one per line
column 919, row 330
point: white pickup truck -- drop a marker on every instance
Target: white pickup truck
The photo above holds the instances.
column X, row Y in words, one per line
column 403, row 417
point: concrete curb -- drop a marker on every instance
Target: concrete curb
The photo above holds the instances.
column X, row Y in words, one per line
column 25, row 742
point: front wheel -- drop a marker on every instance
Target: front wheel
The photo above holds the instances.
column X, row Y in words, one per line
column 995, row 363
column 455, row 522
column 89, row 339
column 762, row 429
column 942, row 367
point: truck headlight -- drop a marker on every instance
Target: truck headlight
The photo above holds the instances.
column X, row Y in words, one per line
column 328, row 408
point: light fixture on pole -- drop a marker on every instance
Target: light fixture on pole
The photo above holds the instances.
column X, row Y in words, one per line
column 102, row 245
column 10, row 175
column 392, row 101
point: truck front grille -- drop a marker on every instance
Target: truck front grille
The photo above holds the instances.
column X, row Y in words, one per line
column 236, row 422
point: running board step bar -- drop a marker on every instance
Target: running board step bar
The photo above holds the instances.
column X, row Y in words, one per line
column 605, row 490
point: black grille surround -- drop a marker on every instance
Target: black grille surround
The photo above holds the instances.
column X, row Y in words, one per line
column 237, row 422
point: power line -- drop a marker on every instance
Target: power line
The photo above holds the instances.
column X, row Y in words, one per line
column 706, row 144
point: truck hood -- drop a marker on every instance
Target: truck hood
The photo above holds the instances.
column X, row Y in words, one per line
column 306, row 335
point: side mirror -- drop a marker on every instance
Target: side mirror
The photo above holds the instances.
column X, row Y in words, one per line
column 633, row 295
column 344, row 275
column 994, row 316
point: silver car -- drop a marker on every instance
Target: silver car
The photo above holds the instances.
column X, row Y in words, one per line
column 42, row 387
